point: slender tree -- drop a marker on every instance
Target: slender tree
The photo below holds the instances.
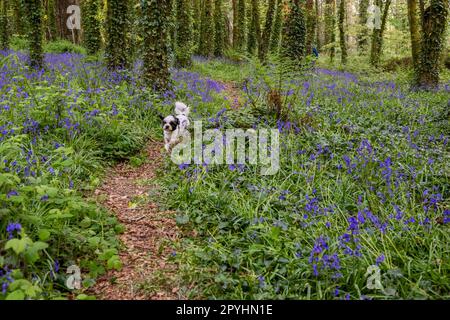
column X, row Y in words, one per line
column 91, row 25
column 234, row 4
column 4, row 32
column 184, row 25
column 267, row 32
column 18, row 17
column 294, row 33
column 277, row 27
column 377, row 35
column 310, row 25
column 218, row 28
column 434, row 21
column 206, row 46
column 155, row 25
column 254, row 30
column 116, row 31
column 318, row 23
column 330, row 21
column 196, row 21
column 33, row 10
column 362, row 34
column 342, row 41
column 240, row 24
column 414, row 31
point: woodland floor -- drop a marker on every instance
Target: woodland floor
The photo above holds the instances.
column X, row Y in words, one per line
column 148, row 238
column 150, row 233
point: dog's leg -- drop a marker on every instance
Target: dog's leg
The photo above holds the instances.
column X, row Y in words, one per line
column 166, row 141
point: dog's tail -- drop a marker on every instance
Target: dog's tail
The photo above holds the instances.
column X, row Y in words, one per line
column 181, row 109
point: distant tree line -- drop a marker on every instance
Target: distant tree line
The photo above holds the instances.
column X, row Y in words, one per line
column 293, row 29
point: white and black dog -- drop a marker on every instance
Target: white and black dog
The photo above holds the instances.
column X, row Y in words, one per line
column 175, row 126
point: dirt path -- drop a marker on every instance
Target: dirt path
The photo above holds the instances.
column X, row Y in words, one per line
column 148, row 237
column 150, row 234
column 232, row 92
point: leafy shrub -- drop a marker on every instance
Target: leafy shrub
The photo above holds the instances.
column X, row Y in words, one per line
column 63, row 46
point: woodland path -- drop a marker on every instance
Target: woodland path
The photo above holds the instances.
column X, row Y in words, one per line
column 150, row 233
column 148, row 237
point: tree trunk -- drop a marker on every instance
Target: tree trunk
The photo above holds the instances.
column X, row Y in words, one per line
column 4, row 29
column 218, row 29
column 362, row 35
column 254, row 30
column 33, row 13
column 330, row 21
column 318, row 23
column 310, row 26
column 265, row 39
column 377, row 36
column 342, row 41
column 206, row 46
column 277, row 26
column 183, row 47
column 91, row 25
column 434, row 22
column 414, row 30
column 294, row 33
column 156, row 18
column 235, row 23
column 240, row 36
column 116, row 30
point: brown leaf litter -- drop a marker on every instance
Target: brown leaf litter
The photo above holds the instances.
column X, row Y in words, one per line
column 147, row 273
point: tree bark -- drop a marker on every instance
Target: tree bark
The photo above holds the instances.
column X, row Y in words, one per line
column 414, row 30
column 434, row 22
column 265, row 39
column 377, row 36
column 362, row 35
column 342, row 41
column 310, row 25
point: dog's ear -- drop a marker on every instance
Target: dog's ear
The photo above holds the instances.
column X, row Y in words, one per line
column 161, row 116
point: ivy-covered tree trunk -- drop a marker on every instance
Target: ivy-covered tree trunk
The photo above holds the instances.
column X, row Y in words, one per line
column 33, row 11
column 414, row 31
column 254, row 30
column 330, row 25
column 342, row 32
column 206, row 46
column 267, row 32
column 184, row 35
column 18, row 17
column 116, row 31
column 294, row 33
column 218, row 28
column 277, row 26
column 240, row 24
column 196, row 22
column 319, row 25
column 4, row 32
column 155, row 24
column 377, row 35
column 310, row 25
column 91, row 25
column 434, row 21
column 234, row 7
column 363, row 34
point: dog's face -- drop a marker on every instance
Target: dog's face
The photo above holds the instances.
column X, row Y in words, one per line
column 169, row 123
